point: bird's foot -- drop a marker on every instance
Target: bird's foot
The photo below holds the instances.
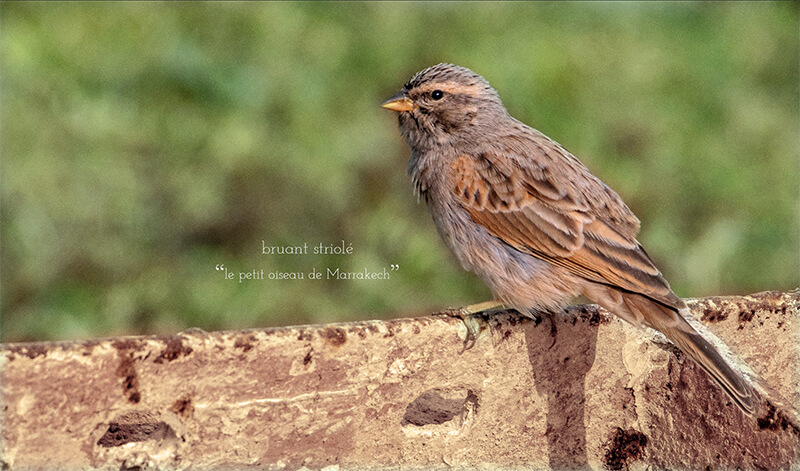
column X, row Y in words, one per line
column 541, row 315
column 474, row 318
column 553, row 328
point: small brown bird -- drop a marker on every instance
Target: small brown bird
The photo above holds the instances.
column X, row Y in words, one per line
column 529, row 218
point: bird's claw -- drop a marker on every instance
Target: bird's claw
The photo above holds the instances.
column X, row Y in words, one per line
column 474, row 322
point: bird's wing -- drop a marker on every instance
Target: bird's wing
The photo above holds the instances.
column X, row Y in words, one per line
column 574, row 221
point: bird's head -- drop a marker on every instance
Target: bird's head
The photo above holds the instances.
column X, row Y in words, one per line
column 441, row 102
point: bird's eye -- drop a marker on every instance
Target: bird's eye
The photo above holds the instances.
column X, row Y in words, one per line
column 437, row 94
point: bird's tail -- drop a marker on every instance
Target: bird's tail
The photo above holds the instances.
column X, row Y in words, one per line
column 671, row 323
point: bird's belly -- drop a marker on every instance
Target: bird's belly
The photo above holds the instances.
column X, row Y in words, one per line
column 517, row 278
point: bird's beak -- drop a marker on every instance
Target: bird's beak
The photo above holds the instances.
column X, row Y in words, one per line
column 399, row 102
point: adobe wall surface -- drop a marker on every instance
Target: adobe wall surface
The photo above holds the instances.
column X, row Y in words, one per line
column 405, row 394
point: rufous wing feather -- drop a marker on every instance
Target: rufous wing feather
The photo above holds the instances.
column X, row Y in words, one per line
column 566, row 226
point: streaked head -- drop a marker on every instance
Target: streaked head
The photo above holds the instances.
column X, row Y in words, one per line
column 442, row 100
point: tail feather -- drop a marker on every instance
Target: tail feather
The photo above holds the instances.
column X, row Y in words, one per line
column 671, row 323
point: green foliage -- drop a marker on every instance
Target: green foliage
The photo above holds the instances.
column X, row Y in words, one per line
column 145, row 143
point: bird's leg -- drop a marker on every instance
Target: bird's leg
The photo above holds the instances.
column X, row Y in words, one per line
column 486, row 306
column 473, row 318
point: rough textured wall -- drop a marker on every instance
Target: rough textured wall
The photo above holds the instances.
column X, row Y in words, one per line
column 406, row 394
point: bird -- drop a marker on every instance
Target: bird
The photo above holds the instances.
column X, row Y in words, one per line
column 525, row 215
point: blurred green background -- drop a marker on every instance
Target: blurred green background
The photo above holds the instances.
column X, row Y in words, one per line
column 142, row 144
